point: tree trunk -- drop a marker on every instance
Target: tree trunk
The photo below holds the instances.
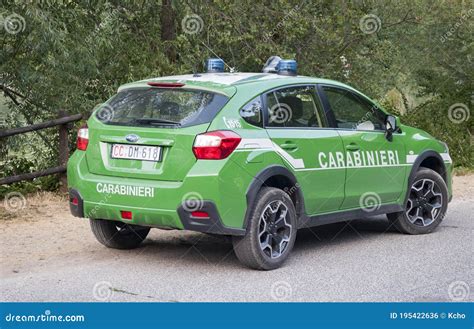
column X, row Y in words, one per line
column 168, row 28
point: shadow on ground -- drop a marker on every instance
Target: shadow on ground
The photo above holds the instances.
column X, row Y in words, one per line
column 195, row 248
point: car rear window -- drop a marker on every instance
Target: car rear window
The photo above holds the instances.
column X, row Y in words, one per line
column 164, row 107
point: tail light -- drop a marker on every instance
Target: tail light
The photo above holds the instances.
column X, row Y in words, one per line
column 215, row 145
column 82, row 138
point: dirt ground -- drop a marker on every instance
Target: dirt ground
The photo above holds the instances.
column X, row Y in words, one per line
column 43, row 232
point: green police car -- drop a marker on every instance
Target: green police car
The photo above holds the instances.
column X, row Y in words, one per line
column 254, row 156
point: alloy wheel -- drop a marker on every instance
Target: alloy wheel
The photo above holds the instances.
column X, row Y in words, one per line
column 274, row 229
column 424, row 202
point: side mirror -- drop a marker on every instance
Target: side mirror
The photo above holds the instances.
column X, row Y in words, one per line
column 390, row 126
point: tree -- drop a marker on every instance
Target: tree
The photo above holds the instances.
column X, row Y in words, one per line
column 73, row 56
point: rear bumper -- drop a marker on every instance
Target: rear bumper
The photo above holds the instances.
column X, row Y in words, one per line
column 213, row 224
column 156, row 203
column 180, row 218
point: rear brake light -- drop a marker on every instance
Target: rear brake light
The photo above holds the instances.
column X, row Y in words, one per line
column 82, row 138
column 165, row 84
column 126, row 214
column 200, row 214
column 215, row 145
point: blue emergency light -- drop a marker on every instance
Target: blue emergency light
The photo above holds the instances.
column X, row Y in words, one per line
column 214, row 65
column 287, row 67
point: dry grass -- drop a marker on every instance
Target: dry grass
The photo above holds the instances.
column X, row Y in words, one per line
column 32, row 206
column 463, row 171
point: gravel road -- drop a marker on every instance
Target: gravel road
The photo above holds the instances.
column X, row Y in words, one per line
column 48, row 255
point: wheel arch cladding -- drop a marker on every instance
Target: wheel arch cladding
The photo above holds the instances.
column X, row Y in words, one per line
column 431, row 160
column 435, row 164
column 278, row 177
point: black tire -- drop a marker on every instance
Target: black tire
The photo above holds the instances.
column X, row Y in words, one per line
column 118, row 235
column 420, row 217
column 279, row 233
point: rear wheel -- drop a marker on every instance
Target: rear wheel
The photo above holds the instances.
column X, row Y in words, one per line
column 118, row 235
column 426, row 205
column 271, row 231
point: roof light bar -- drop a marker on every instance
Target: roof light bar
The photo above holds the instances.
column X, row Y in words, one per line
column 214, row 65
column 287, row 67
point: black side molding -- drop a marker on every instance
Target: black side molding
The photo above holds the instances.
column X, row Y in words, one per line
column 341, row 216
column 213, row 224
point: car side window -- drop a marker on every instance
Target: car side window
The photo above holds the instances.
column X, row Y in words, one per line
column 353, row 113
column 252, row 112
column 294, row 107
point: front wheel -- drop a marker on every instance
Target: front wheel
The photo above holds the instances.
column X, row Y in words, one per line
column 118, row 235
column 426, row 204
column 271, row 231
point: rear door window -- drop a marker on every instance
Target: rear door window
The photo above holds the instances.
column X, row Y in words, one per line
column 295, row 107
column 164, row 107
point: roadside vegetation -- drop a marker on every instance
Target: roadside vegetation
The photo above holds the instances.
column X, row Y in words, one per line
column 414, row 57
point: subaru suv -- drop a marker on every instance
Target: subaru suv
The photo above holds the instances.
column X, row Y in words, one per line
column 254, row 156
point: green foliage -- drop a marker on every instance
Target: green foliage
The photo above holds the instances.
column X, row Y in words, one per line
column 16, row 165
column 74, row 55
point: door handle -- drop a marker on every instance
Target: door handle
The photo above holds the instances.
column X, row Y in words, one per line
column 289, row 146
column 353, row 147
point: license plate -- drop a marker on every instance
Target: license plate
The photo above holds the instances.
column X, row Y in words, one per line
column 136, row 152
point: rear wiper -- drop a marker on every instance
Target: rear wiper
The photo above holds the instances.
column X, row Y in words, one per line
column 156, row 121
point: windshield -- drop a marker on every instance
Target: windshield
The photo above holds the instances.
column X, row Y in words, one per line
column 164, row 107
